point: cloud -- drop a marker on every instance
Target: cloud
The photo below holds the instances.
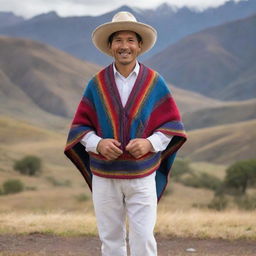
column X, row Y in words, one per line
column 31, row 8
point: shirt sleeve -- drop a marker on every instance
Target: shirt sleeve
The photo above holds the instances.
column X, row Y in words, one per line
column 159, row 141
column 90, row 142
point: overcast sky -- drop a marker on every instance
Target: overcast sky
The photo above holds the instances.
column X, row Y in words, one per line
column 29, row 8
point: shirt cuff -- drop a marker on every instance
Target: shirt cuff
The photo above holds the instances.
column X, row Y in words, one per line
column 159, row 141
column 90, row 142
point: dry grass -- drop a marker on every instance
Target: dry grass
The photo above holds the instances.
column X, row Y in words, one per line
column 208, row 224
column 194, row 223
column 223, row 144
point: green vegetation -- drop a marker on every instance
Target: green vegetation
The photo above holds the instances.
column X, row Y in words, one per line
column 246, row 202
column 240, row 176
column 180, row 167
column 29, row 165
column 58, row 183
column 202, row 180
column 82, row 197
column 218, row 203
column 12, row 186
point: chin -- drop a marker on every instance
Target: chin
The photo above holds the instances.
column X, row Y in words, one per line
column 125, row 62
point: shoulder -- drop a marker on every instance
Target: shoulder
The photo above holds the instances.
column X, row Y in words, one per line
column 95, row 80
column 159, row 80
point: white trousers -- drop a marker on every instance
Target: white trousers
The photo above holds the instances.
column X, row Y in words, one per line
column 113, row 200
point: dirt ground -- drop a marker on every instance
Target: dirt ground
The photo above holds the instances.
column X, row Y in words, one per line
column 37, row 244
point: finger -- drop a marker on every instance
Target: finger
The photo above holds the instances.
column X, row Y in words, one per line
column 130, row 145
column 117, row 143
column 116, row 150
column 113, row 156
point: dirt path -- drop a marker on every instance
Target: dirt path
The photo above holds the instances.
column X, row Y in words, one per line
column 48, row 245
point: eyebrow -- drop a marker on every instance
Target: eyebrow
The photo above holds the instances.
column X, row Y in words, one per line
column 119, row 37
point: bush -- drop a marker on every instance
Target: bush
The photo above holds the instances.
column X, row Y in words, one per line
column 12, row 186
column 246, row 202
column 82, row 197
column 202, row 180
column 218, row 203
column 58, row 183
column 29, row 165
column 180, row 167
column 240, row 175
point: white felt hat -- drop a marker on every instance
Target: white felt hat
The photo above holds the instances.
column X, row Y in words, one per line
column 123, row 21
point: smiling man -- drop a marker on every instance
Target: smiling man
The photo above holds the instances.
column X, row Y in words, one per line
column 124, row 138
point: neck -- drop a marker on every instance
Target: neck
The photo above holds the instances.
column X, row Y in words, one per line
column 125, row 70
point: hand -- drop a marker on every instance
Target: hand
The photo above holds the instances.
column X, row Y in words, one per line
column 109, row 148
column 139, row 147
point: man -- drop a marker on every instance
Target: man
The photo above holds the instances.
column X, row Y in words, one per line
column 124, row 138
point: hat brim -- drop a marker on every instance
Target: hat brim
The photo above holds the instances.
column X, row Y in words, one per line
column 101, row 34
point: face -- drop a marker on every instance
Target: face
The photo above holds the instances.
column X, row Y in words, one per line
column 125, row 47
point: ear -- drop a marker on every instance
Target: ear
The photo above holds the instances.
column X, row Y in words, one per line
column 109, row 48
column 140, row 45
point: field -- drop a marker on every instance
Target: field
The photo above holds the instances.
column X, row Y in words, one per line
column 177, row 233
column 54, row 215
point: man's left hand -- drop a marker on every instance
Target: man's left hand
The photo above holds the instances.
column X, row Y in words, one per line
column 139, row 147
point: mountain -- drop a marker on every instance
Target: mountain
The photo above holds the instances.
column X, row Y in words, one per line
column 223, row 144
column 73, row 34
column 39, row 78
column 9, row 19
column 43, row 85
column 228, row 113
column 218, row 62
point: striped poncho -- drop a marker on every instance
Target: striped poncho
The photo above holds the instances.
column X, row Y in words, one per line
column 149, row 108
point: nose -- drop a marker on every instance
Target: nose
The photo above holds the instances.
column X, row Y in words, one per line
column 124, row 45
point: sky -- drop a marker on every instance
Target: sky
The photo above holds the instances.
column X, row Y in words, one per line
column 30, row 8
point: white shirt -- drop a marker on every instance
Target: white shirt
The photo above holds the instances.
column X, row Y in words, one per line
column 158, row 140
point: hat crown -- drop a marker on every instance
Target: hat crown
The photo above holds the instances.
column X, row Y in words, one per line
column 123, row 16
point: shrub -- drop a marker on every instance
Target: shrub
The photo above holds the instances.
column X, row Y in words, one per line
column 246, row 202
column 12, row 186
column 29, row 165
column 180, row 167
column 202, row 180
column 82, row 197
column 58, row 183
column 240, row 175
column 219, row 203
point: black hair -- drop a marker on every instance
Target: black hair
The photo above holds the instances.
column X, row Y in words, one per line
column 111, row 37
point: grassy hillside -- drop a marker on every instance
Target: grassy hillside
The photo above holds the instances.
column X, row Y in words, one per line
column 191, row 101
column 50, row 78
column 223, row 143
column 218, row 62
column 225, row 113
column 60, row 185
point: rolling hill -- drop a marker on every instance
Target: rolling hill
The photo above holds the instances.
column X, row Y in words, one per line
column 42, row 86
column 228, row 113
column 40, row 83
column 36, row 77
column 73, row 34
column 223, row 144
column 218, row 62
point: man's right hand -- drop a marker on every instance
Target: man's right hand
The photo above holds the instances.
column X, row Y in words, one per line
column 109, row 148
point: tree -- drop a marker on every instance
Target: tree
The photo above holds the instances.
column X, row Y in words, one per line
column 29, row 165
column 12, row 186
column 241, row 175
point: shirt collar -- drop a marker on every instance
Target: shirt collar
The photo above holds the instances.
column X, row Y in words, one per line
column 135, row 70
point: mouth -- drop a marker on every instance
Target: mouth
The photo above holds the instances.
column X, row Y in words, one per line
column 124, row 54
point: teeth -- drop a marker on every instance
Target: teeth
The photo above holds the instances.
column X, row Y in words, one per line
column 124, row 53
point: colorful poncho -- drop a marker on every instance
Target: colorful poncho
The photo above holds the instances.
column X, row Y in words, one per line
column 149, row 108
